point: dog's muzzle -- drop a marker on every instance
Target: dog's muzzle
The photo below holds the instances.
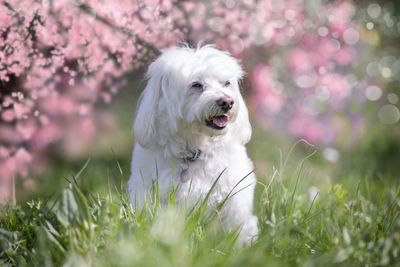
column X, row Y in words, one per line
column 219, row 122
column 225, row 103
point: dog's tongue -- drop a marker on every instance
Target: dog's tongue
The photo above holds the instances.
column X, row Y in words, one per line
column 220, row 121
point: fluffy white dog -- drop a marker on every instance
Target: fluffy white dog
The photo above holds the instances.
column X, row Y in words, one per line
column 191, row 126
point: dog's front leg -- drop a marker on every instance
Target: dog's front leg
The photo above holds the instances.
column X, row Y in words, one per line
column 240, row 209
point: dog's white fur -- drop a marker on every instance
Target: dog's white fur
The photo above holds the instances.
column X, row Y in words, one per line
column 171, row 124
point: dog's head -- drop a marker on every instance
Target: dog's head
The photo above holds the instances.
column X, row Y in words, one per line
column 192, row 90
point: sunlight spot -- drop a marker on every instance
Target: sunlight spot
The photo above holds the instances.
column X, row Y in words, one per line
column 307, row 80
column 323, row 31
column 389, row 114
column 373, row 93
column 393, row 98
column 388, row 20
column 374, row 10
column 351, row 36
column 322, row 93
column 386, row 72
column 312, row 193
column 290, row 14
column 331, row 154
column 370, row 25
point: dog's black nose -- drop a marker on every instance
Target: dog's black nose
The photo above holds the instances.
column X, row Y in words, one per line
column 225, row 103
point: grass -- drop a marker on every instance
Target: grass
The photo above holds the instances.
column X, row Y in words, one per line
column 345, row 223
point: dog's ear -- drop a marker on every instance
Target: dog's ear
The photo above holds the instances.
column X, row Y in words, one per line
column 242, row 124
column 145, row 122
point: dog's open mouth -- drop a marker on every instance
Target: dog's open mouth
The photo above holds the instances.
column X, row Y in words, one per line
column 218, row 122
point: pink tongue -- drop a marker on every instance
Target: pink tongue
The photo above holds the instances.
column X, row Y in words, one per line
column 220, row 121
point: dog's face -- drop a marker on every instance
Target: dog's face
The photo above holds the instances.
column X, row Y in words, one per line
column 192, row 90
column 210, row 103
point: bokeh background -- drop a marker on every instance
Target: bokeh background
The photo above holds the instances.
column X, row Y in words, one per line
column 323, row 72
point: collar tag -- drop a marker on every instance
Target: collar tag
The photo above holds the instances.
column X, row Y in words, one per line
column 185, row 175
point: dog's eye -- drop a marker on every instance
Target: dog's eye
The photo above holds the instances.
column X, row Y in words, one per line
column 227, row 83
column 197, row 85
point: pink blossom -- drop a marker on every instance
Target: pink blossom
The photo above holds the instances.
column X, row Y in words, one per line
column 26, row 128
column 304, row 126
column 300, row 61
column 3, row 152
column 325, row 50
column 20, row 110
column 337, row 85
column 339, row 16
column 266, row 94
column 44, row 136
column 9, row 136
column 8, row 115
column 5, row 18
column 345, row 55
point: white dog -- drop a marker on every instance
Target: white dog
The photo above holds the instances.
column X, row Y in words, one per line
column 191, row 126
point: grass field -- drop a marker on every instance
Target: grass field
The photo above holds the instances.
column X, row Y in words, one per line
column 304, row 218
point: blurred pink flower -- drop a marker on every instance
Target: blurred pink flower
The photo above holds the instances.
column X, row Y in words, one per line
column 345, row 55
column 339, row 16
column 300, row 61
column 337, row 85
column 8, row 115
column 265, row 94
column 45, row 136
column 5, row 17
column 325, row 50
column 10, row 167
column 8, row 136
column 305, row 126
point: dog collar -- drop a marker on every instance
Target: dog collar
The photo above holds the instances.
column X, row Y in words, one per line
column 194, row 155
